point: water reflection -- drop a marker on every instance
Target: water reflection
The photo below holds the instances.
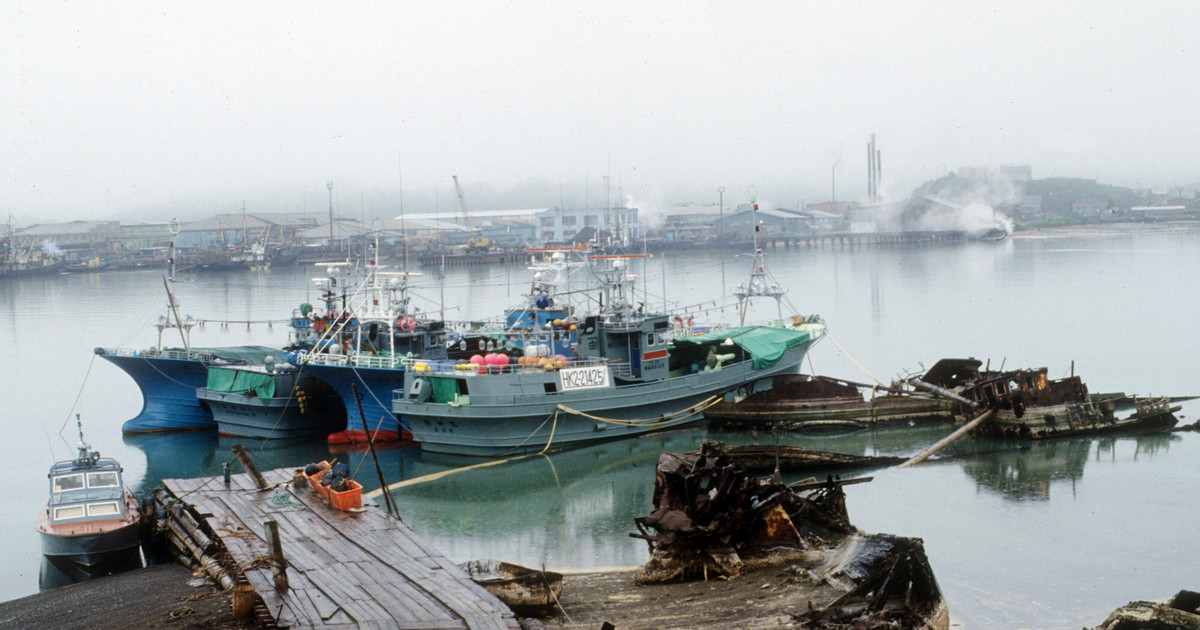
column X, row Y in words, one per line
column 1025, row 472
column 204, row 453
column 569, row 509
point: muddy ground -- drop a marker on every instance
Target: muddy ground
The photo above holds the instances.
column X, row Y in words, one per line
column 765, row 597
column 159, row 597
column 155, row 597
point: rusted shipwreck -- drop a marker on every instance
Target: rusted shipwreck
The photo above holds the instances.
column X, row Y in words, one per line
column 803, row 402
column 712, row 519
column 764, row 458
column 1181, row 612
column 1028, row 404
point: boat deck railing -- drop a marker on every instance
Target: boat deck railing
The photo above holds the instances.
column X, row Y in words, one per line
column 169, row 353
column 460, row 368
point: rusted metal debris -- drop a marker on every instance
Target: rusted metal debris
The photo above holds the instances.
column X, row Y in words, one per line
column 889, row 585
column 711, row 519
column 1181, row 612
column 763, row 458
column 709, row 513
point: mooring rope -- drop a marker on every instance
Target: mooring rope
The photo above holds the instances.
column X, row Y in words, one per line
column 638, row 422
column 856, row 363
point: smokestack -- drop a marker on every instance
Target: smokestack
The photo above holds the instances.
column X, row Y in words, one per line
column 878, row 172
column 870, row 172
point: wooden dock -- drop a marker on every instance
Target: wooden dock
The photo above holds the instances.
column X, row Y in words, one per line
column 344, row 569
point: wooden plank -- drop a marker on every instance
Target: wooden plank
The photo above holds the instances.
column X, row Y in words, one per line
column 332, row 588
column 402, row 608
column 432, row 607
column 365, row 570
column 306, row 612
column 327, row 609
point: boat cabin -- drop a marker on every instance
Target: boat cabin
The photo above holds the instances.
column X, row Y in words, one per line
column 86, row 489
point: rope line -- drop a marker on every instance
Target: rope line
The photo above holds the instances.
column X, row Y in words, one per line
column 639, row 422
column 856, row 363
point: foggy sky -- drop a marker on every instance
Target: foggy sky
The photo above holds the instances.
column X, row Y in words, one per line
column 120, row 109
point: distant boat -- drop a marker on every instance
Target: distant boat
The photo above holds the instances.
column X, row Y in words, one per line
column 91, row 521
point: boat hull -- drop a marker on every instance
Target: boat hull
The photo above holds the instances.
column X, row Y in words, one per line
column 238, row 415
column 375, row 387
column 1074, row 419
column 89, row 545
column 168, row 387
column 526, row 421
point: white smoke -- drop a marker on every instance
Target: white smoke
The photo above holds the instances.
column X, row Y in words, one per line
column 51, row 248
column 651, row 215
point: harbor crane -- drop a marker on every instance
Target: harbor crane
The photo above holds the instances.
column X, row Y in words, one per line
column 474, row 242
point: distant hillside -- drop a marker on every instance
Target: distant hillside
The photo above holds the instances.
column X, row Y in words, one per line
column 1059, row 194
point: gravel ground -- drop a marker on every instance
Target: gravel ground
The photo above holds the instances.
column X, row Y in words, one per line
column 154, row 597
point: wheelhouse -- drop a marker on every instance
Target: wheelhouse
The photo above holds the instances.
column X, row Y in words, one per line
column 86, row 489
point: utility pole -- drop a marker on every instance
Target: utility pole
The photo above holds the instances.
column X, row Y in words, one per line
column 329, row 185
column 721, row 222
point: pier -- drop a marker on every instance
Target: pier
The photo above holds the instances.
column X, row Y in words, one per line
column 353, row 569
column 862, row 239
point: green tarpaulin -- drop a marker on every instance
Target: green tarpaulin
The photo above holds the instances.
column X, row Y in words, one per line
column 234, row 381
column 765, row 344
column 444, row 389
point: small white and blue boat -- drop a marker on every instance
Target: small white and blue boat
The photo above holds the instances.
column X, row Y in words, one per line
column 91, row 521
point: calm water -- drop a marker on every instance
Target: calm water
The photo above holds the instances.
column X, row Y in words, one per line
column 1053, row 536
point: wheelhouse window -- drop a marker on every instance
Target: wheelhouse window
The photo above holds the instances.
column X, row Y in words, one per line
column 68, row 482
column 108, row 508
column 68, row 512
column 106, row 479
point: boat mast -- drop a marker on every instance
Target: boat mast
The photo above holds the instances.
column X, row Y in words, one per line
column 165, row 322
column 761, row 283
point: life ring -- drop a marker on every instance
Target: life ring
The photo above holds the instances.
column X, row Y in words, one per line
column 407, row 324
column 679, row 321
column 318, row 325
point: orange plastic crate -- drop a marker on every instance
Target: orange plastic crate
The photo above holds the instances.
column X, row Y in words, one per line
column 347, row 499
column 315, row 480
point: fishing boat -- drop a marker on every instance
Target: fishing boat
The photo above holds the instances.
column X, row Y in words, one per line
column 168, row 377
column 364, row 348
column 91, row 521
column 26, row 259
column 271, row 401
column 629, row 376
column 375, row 349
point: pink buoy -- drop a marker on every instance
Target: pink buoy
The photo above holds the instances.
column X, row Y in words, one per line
column 477, row 359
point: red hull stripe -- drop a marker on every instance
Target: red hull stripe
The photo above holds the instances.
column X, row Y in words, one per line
column 657, row 354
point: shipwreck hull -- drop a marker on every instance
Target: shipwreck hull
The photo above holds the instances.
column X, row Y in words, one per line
column 1078, row 419
column 797, row 402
